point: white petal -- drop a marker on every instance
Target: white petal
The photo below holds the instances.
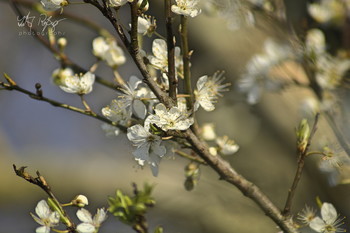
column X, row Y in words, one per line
column 84, row 215
column 85, row 228
column 99, row 47
column 139, row 109
column 328, row 213
column 42, row 209
column 42, row 229
column 159, row 48
column 317, row 224
column 100, row 216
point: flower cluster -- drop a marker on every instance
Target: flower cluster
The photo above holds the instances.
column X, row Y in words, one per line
column 258, row 74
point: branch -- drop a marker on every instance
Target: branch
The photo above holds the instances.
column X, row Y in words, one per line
column 250, row 190
column 64, row 60
column 171, row 51
column 41, row 182
column 301, row 162
column 38, row 96
column 186, row 61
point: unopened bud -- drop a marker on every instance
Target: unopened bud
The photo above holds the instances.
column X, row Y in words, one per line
column 303, row 135
column 62, row 43
column 80, row 201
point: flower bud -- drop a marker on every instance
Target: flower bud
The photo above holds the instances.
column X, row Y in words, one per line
column 303, row 135
column 62, row 43
column 80, row 201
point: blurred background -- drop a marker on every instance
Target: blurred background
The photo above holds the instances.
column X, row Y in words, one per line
column 76, row 157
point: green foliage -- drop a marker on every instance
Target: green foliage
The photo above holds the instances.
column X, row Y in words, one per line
column 131, row 210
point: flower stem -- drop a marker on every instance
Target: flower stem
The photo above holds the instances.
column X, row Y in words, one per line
column 301, row 162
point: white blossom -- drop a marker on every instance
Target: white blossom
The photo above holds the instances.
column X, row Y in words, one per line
column 159, row 59
column 327, row 11
column 208, row 91
column 116, row 112
column 330, row 221
column 46, row 217
column 186, row 8
column 108, row 50
column 146, row 25
column 172, row 119
column 257, row 75
column 131, row 97
column 307, row 215
column 59, row 75
column 226, row 145
column 315, row 42
column 53, row 5
column 148, row 147
column 208, row 132
column 79, row 84
column 89, row 224
column 330, row 71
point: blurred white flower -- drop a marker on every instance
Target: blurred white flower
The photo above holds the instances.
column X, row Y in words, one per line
column 330, row 221
column 46, row 217
column 327, row 11
column 208, row 131
column 307, row 215
column 108, row 50
column 257, row 76
column 315, row 42
column 330, row 71
column 149, row 148
column 89, row 224
column 159, row 59
column 172, row 119
column 186, row 8
column 110, row 130
column 52, row 5
column 116, row 112
column 226, row 145
column 131, row 98
column 79, row 84
column 208, row 90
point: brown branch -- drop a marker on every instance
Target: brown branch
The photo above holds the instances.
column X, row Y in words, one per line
column 301, row 162
column 38, row 96
column 250, row 190
column 171, row 51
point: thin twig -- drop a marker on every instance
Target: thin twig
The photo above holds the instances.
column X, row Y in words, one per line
column 41, row 182
column 190, row 157
column 65, row 61
column 301, row 162
column 61, row 105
